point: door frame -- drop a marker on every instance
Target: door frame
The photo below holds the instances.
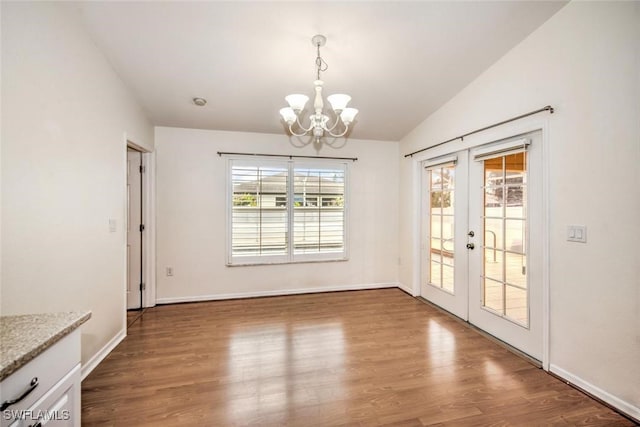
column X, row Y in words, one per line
column 509, row 130
column 148, row 219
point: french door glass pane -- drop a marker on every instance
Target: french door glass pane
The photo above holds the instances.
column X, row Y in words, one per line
column 448, row 178
column 516, row 166
column 494, row 264
column 504, row 217
column 435, row 273
column 436, row 226
column 516, row 199
column 447, row 202
column 447, row 277
column 436, row 201
column 515, row 239
column 516, row 270
column 493, row 232
column 516, row 307
column 494, row 296
column 435, row 177
column 493, row 172
column 447, row 258
column 493, row 201
column 447, row 229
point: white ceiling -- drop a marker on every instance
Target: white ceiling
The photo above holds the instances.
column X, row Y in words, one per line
column 400, row 61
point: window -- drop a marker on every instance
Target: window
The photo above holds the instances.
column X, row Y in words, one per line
column 286, row 211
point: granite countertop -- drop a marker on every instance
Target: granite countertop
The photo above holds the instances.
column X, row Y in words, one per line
column 23, row 337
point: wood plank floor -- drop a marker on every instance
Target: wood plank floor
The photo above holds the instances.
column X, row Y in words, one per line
column 364, row 358
column 132, row 316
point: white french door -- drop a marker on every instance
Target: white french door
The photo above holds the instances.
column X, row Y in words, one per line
column 444, row 253
column 486, row 205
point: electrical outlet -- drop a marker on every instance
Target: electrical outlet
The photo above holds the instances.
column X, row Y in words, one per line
column 169, row 271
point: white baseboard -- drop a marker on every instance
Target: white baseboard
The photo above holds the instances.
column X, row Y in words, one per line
column 102, row 353
column 621, row 405
column 279, row 292
column 406, row 289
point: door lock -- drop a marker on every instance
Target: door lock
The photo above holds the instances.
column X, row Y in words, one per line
column 471, row 233
column 470, row 246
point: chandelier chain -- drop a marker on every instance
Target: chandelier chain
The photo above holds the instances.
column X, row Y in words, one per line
column 321, row 64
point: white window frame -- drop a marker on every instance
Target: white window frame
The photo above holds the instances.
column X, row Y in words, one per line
column 290, row 257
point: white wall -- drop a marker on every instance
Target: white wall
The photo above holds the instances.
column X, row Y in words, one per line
column 585, row 61
column 65, row 115
column 191, row 227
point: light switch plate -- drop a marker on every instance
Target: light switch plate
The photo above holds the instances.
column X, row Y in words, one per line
column 577, row 233
column 113, row 225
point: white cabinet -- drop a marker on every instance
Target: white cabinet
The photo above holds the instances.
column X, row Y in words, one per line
column 50, row 384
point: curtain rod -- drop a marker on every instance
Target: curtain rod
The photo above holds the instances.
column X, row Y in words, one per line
column 548, row 108
column 290, row 156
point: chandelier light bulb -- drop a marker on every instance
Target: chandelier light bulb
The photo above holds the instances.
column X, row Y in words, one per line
column 319, row 121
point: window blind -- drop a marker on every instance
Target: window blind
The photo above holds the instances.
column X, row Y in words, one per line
column 438, row 162
column 286, row 211
column 501, row 149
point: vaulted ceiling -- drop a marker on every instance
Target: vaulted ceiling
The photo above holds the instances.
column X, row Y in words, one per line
column 400, row 61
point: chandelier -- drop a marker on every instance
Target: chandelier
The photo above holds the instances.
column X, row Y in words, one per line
column 319, row 122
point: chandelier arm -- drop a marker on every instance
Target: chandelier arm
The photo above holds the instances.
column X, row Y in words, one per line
column 301, row 127
column 329, row 129
column 304, row 131
column 346, row 129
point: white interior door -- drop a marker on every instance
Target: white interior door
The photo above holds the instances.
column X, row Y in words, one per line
column 482, row 238
column 134, row 237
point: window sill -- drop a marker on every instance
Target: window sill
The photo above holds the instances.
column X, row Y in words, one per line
column 309, row 261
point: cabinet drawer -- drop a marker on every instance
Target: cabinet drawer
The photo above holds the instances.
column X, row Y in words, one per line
column 49, row 368
column 59, row 407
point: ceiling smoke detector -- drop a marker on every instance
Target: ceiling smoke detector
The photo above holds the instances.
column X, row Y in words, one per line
column 200, row 102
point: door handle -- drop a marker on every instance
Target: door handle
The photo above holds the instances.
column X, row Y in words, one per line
column 470, row 246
